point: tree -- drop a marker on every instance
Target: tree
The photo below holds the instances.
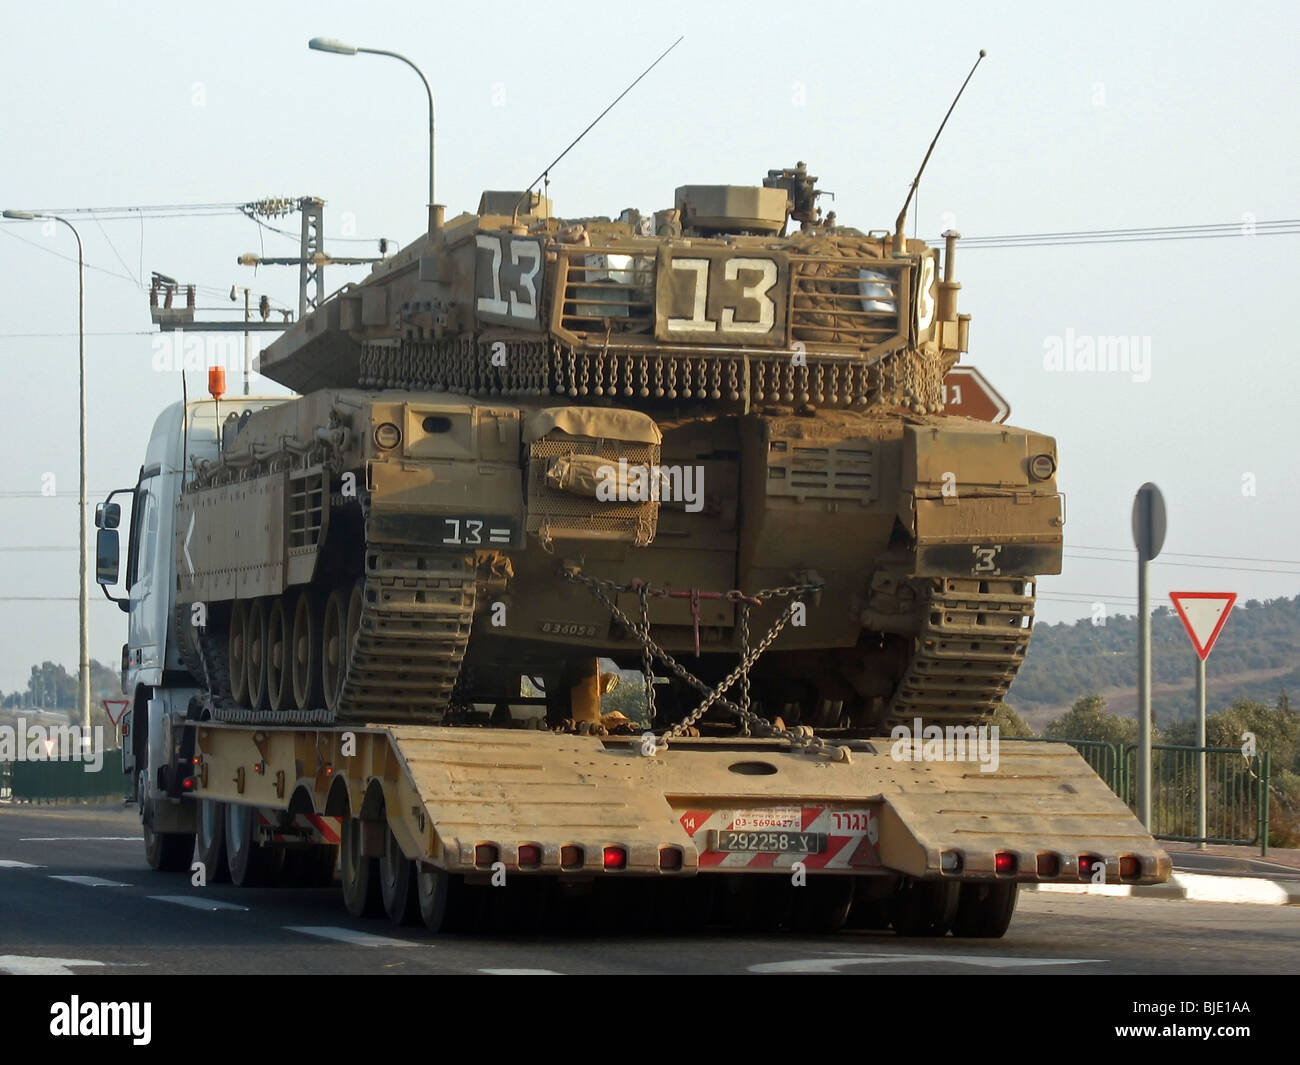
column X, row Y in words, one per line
column 1010, row 723
column 1088, row 719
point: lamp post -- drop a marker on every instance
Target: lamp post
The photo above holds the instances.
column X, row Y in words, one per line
column 328, row 44
column 83, row 595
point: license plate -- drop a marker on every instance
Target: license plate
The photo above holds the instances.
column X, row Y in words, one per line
column 767, row 842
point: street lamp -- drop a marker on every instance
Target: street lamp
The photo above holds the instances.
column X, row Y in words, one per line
column 83, row 595
column 328, row 44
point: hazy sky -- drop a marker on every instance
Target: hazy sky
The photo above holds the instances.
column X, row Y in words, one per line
column 1091, row 116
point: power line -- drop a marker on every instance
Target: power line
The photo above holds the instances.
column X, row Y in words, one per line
column 1190, row 554
column 1187, row 565
column 1147, row 234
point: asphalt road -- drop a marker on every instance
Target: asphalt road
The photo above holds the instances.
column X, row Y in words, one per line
column 77, row 896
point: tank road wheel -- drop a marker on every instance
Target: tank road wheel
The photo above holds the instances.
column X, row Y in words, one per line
column 984, row 911
column 279, row 687
column 360, row 875
column 237, row 652
column 924, row 907
column 334, row 647
column 305, row 666
column 397, row 883
column 251, row 863
column 822, row 904
column 255, row 638
column 211, row 840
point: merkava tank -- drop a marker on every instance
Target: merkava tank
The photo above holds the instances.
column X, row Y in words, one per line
column 707, row 443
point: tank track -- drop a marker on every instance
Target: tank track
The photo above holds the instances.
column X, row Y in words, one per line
column 416, row 613
column 206, row 657
column 970, row 647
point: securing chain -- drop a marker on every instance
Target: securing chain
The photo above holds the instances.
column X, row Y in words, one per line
column 800, row 738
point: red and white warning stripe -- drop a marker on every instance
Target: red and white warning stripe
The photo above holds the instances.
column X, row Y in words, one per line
column 302, row 828
column 852, row 835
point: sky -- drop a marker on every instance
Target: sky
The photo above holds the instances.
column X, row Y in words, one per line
column 1083, row 117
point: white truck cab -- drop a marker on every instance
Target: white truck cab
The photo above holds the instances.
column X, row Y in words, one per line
column 153, row 674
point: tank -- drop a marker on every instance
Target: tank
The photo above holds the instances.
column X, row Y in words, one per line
column 705, row 445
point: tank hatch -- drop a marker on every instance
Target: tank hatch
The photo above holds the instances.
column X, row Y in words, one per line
column 712, row 209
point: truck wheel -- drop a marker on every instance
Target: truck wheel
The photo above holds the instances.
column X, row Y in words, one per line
column 237, row 652
column 433, row 895
column 334, row 650
column 397, row 883
column 211, row 840
column 924, row 907
column 279, row 667
column 167, row 852
column 305, row 667
column 822, row 904
column 255, row 640
column 984, row 911
column 251, row 863
column 359, row 874
column 871, row 902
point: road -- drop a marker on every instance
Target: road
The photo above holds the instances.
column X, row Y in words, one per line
column 76, row 895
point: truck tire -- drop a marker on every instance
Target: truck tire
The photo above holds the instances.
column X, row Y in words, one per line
column 251, row 863
column 984, row 911
column 397, row 884
column 210, row 841
column 433, row 896
column 167, row 852
column 360, row 875
column 924, row 907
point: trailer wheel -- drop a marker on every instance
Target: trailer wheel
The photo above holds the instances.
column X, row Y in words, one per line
column 360, row 875
column 251, row 863
column 822, row 904
column 211, row 841
column 433, row 895
column 397, row 883
column 984, row 911
column 924, row 907
column 871, row 902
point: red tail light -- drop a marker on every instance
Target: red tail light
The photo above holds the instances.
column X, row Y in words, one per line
column 1004, row 863
column 529, row 854
column 615, row 858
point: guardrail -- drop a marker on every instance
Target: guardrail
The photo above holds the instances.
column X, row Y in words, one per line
column 1236, row 793
column 62, row 781
column 1237, row 788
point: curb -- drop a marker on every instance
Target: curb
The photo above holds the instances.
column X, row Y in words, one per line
column 1194, row 887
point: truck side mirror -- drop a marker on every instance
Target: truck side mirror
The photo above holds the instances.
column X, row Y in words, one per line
column 106, row 554
column 108, row 516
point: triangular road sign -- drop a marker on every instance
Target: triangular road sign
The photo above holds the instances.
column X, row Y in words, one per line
column 108, row 705
column 1203, row 615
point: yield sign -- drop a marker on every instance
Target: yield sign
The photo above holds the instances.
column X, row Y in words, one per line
column 108, row 705
column 1203, row 615
column 967, row 394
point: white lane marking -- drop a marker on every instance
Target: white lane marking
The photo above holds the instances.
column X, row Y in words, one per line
column 8, row 863
column 194, row 902
column 348, row 935
column 833, row 964
column 78, row 839
column 21, row 965
column 520, row 972
column 90, row 881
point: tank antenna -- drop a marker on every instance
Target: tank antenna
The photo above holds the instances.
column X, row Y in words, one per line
column 899, row 237
column 579, row 137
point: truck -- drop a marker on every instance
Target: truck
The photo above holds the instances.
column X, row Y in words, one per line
column 609, row 564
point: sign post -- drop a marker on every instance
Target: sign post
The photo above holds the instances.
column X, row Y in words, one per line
column 1203, row 615
column 1149, row 522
